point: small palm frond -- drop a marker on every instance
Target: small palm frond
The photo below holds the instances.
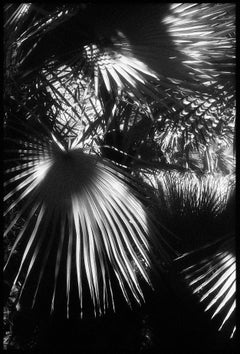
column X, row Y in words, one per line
column 195, row 193
column 194, row 205
column 84, row 223
column 212, row 277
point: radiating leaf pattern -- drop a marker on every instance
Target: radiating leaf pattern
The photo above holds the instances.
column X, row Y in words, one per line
column 212, row 277
column 197, row 30
column 118, row 71
column 188, row 192
column 82, row 217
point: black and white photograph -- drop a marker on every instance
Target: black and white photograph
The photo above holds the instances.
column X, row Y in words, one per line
column 119, row 178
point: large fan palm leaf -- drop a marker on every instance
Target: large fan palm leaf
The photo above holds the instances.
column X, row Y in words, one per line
column 83, row 222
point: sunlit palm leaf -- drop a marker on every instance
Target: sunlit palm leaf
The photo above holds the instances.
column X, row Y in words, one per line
column 212, row 276
column 205, row 33
column 83, row 220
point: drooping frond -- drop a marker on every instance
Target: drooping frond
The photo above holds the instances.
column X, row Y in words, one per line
column 211, row 275
column 84, row 223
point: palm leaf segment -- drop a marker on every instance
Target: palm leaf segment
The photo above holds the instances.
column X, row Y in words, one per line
column 83, row 223
column 213, row 279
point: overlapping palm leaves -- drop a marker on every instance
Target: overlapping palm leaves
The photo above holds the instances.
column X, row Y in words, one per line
column 194, row 125
column 174, row 57
column 200, row 119
column 91, row 55
column 203, row 212
column 113, row 54
column 96, row 57
column 83, row 216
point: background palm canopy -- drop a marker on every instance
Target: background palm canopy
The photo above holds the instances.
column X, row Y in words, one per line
column 114, row 116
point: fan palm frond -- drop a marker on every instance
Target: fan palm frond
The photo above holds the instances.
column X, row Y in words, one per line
column 194, row 192
column 84, row 222
column 212, row 277
column 197, row 31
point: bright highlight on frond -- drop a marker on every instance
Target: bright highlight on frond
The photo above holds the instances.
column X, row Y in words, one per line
column 17, row 14
column 196, row 34
column 84, row 226
column 213, row 278
column 118, row 68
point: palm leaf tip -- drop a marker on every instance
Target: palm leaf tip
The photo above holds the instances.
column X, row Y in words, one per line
column 83, row 225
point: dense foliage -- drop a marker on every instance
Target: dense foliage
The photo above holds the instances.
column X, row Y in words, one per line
column 119, row 138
